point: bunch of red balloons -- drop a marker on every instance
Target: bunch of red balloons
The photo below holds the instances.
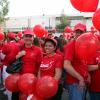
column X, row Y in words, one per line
column 27, row 84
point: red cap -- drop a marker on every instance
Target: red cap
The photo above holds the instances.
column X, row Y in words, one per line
column 80, row 26
column 28, row 31
column 51, row 39
column 68, row 29
column 11, row 35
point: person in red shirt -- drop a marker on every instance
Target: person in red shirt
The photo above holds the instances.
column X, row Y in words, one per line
column 10, row 50
column 94, row 86
column 77, row 70
column 31, row 54
column 52, row 64
column 2, row 37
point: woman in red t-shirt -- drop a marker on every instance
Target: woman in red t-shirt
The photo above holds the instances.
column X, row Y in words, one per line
column 31, row 54
column 52, row 65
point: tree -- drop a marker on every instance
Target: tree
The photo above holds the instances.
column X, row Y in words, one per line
column 64, row 21
column 4, row 5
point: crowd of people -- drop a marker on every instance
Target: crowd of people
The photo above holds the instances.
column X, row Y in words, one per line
column 51, row 56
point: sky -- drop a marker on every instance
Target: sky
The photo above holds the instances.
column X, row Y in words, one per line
column 39, row 7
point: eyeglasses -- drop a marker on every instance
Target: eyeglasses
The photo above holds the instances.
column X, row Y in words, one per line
column 79, row 32
column 27, row 35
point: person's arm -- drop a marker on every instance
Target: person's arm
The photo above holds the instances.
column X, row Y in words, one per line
column 58, row 73
column 38, row 74
column 93, row 67
column 69, row 68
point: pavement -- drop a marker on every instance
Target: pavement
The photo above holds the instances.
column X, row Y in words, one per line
column 65, row 95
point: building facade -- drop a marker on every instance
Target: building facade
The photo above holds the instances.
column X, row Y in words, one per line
column 20, row 23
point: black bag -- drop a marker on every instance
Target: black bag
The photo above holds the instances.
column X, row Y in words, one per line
column 14, row 67
column 2, row 87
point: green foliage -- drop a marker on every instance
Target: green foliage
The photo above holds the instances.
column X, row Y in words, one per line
column 64, row 21
column 4, row 5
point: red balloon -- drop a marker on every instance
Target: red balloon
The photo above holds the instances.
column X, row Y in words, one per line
column 39, row 30
column 27, row 83
column 68, row 29
column 85, row 5
column 20, row 34
column 23, row 96
column 86, row 46
column 96, row 19
column 11, row 82
column 46, row 33
column 2, row 36
column 46, row 87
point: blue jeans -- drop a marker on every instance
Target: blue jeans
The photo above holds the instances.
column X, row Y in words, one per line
column 94, row 95
column 75, row 93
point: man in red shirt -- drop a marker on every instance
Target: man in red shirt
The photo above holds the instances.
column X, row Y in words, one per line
column 94, row 86
column 76, row 69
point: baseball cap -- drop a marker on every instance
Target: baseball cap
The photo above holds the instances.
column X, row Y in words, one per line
column 11, row 35
column 80, row 26
column 28, row 32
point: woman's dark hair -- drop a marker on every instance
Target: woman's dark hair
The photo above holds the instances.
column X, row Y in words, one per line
column 49, row 40
column 60, row 43
column 36, row 41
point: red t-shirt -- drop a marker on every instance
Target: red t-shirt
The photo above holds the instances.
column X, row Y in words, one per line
column 10, row 50
column 95, row 81
column 59, row 52
column 78, row 65
column 31, row 60
column 95, row 77
column 49, row 64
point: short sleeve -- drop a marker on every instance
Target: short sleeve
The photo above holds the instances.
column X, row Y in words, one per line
column 59, row 62
column 69, row 51
column 39, row 56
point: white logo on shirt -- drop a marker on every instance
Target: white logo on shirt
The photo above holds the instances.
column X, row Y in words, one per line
column 46, row 66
